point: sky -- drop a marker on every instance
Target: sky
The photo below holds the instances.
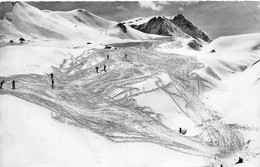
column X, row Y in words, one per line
column 215, row 18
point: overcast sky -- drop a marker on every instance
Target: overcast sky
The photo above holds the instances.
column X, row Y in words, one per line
column 214, row 18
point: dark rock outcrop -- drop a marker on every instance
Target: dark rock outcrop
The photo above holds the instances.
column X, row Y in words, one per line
column 189, row 28
column 160, row 26
column 123, row 27
column 177, row 26
column 240, row 160
column 194, row 45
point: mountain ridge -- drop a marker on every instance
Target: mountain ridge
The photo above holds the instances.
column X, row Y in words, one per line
column 27, row 21
column 189, row 28
column 162, row 25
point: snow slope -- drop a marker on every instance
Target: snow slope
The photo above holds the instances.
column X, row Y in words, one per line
column 137, row 21
column 83, row 88
column 30, row 137
column 232, row 54
column 52, row 36
column 236, row 97
column 241, row 55
column 238, row 43
column 27, row 59
column 230, row 85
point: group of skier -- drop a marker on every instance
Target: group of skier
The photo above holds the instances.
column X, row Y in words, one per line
column 13, row 83
column 3, row 81
column 104, row 67
column 52, row 76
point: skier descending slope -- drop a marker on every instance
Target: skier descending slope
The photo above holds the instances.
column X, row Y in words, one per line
column 1, row 84
column 52, row 76
column 240, row 160
column 52, row 80
column 105, row 68
column 52, row 84
column 13, row 84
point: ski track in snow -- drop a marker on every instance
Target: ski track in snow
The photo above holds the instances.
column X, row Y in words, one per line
column 104, row 103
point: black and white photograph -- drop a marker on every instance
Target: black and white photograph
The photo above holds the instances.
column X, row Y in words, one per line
column 129, row 83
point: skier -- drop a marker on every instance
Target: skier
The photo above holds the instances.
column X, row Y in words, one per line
column 52, row 76
column 13, row 86
column 107, row 56
column 96, row 69
column 52, row 83
column 105, row 68
column 240, row 160
column 1, row 84
column 180, row 130
column 126, row 56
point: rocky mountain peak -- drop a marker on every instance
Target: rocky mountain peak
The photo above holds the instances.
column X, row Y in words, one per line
column 182, row 22
column 177, row 26
column 189, row 28
column 159, row 25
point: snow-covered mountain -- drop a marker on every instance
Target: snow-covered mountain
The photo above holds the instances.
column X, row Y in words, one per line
column 147, row 103
column 161, row 26
column 178, row 26
column 29, row 22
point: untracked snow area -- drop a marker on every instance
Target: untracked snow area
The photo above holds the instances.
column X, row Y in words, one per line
column 237, row 97
column 237, row 92
column 31, row 59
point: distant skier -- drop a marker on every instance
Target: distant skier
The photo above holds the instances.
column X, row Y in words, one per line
column 52, row 76
column 107, row 56
column 52, row 83
column 212, row 51
column 105, row 68
column 2, row 83
column 240, row 160
column 13, row 84
column 180, row 130
column 126, row 56
column 96, row 69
